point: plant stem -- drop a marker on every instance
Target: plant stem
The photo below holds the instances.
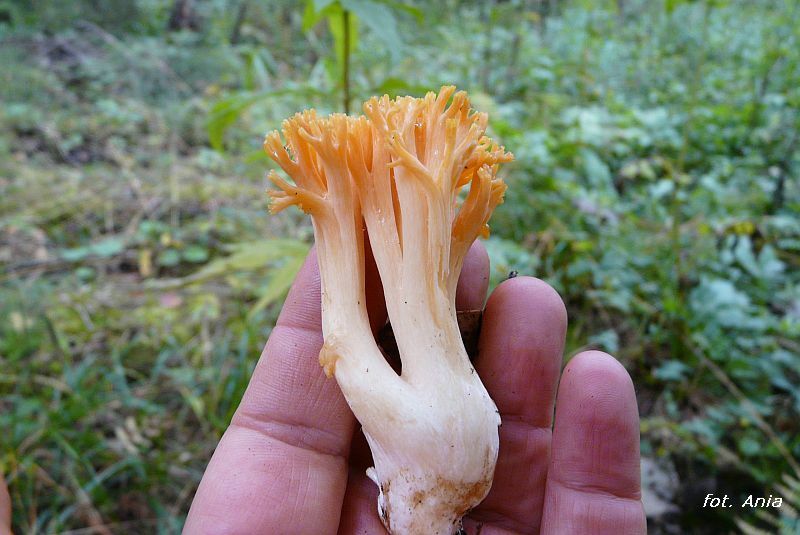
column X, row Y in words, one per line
column 241, row 14
column 487, row 49
column 346, row 66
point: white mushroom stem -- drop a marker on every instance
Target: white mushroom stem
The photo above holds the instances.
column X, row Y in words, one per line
column 433, row 429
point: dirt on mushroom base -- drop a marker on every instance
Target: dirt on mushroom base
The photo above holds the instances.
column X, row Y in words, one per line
column 436, row 500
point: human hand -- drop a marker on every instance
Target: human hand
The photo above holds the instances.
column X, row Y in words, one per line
column 294, row 461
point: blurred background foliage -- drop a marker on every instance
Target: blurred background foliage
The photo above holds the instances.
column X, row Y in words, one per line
column 656, row 188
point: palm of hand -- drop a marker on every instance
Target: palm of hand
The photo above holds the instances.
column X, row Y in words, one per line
column 293, row 460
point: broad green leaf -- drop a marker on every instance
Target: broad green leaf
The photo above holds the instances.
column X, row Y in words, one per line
column 108, row 247
column 245, row 256
column 256, row 74
column 75, row 254
column 195, row 254
column 414, row 11
column 671, row 5
column 85, row 273
column 380, row 19
column 607, row 340
column 225, row 112
column 194, row 401
column 671, row 370
column 104, row 249
column 315, row 11
column 597, row 173
column 253, row 255
column 279, row 283
column 749, row 446
column 394, row 86
column 319, row 5
column 273, row 247
column 310, row 16
column 169, row 258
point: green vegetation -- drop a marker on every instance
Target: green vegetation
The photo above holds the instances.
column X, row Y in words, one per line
column 656, row 187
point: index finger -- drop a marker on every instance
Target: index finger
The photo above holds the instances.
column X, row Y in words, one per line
column 522, row 341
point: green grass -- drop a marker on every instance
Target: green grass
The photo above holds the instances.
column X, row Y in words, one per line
column 655, row 187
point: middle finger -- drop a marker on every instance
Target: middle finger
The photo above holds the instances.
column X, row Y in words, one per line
column 519, row 361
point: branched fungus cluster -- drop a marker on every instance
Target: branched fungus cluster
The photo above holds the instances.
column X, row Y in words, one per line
column 400, row 170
